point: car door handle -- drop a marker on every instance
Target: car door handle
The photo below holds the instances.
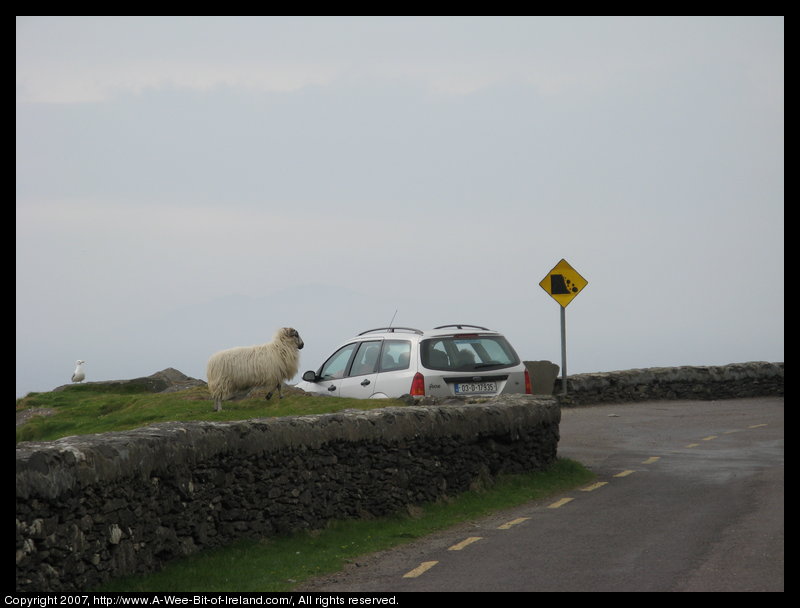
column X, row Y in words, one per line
column 365, row 382
column 332, row 387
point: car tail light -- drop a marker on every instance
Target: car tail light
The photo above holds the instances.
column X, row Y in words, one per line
column 528, row 386
column 418, row 385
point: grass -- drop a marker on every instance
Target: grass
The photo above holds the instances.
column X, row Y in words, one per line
column 85, row 409
column 282, row 564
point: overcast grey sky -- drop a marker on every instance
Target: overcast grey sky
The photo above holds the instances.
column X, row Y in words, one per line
column 186, row 184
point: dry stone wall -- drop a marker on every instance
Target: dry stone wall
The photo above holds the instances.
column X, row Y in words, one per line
column 90, row 508
column 733, row 381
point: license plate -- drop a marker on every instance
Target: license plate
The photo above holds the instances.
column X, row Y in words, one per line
column 471, row 388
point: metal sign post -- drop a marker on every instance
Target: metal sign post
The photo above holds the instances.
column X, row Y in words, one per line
column 563, row 350
column 563, row 283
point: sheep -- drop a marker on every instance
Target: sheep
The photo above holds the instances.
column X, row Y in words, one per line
column 243, row 367
column 78, row 375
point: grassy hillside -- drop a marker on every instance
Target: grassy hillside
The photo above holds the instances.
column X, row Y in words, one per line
column 97, row 408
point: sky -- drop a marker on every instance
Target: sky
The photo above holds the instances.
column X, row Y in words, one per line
column 188, row 184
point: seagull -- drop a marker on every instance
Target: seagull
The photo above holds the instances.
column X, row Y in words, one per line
column 78, row 375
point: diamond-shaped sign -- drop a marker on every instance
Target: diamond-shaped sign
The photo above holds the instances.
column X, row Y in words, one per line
column 563, row 283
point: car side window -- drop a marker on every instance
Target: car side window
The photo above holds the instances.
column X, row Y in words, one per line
column 336, row 366
column 434, row 354
column 366, row 358
column 395, row 355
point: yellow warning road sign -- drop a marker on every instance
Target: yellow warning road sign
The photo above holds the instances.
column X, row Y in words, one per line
column 563, row 283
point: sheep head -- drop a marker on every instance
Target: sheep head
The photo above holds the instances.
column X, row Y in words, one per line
column 289, row 334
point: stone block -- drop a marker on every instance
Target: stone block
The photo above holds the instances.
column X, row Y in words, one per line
column 543, row 376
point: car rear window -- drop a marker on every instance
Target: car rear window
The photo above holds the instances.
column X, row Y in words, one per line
column 467, row 353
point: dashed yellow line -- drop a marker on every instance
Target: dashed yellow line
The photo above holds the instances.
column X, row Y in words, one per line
column 425, row 566
column 422, row 568
column 464, row 543
column 594, row 486
column 512, row 523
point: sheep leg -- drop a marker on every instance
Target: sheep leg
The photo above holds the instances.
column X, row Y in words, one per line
column 278, row 388
column 217, row 405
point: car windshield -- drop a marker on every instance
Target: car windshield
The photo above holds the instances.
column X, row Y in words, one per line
column 467, row 353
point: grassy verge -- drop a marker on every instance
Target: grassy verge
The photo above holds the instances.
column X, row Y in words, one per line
column 85, row 409
column 283, row 563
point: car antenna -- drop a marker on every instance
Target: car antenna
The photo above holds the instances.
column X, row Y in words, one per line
column 393, row 316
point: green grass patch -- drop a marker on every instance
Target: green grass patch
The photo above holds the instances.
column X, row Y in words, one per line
column 283, row 563
column 85, row 409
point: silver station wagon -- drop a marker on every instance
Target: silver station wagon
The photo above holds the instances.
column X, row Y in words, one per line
column 450, row 360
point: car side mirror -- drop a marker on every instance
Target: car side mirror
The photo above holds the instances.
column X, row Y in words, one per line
column 310, row 376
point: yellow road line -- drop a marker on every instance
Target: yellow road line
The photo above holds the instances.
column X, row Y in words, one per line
column 464, row 543
column 651, row 460
column 692, row 445
column 624, row 473
column 513, row 522
column 756, row 426
column 594, row 486
column 422, row 568
column 559, row 503
column 709, row 438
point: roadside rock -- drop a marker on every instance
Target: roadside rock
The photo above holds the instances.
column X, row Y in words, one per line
column 166, row 381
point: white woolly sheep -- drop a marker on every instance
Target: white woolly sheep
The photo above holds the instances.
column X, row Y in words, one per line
column 244, row 367
column 78, row 375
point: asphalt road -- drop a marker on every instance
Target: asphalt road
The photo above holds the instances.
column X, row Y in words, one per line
column 689, row 497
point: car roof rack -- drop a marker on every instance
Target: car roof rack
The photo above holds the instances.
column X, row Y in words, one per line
column 391, row 330
column 462, row 326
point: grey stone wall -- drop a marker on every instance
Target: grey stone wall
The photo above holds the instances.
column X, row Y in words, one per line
column 732, row 381
column 89, row 508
